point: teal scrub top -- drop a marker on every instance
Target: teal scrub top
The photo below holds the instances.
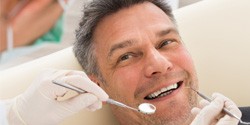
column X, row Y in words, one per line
column 52, row 36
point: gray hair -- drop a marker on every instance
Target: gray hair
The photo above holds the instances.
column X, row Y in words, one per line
column 93, row 13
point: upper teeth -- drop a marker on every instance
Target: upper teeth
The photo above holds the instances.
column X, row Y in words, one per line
column 155, row 94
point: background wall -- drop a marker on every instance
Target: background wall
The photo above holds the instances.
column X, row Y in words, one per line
column 216, row 33
column 183, row 3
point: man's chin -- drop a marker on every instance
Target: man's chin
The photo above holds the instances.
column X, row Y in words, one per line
column 176, row 116
column 176, row 112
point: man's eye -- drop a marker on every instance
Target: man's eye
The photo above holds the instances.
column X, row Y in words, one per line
column 125, row 57
column 164, row 43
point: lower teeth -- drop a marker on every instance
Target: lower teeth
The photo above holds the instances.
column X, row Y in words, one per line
column 164, row 94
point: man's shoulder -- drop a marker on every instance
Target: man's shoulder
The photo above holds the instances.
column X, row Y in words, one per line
column 245, row 113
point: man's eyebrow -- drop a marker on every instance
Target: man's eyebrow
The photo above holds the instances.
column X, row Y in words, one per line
column 120, row 45
column 127, row 43
column 166, row 31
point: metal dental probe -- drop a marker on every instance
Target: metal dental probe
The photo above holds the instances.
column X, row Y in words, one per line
column 110, row 101
column 224, row 109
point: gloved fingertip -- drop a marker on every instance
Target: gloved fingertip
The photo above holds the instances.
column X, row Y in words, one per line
column 95, row 106
column 216, row 94
column 91, row 109
column 104, row 97
column 195, row 110
column 203, row 103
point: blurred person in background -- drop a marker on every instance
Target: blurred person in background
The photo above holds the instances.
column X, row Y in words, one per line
column 29, row 22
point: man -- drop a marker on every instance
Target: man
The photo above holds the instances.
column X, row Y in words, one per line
column 132, row 49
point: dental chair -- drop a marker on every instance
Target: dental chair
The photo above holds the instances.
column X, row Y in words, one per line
column 217, row 34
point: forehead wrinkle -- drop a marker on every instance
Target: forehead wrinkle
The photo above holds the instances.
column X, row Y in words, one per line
column 166, row 32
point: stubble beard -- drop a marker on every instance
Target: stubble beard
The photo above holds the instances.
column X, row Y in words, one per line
column 180, row 116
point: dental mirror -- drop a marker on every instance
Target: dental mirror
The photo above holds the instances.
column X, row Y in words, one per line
column 145, row 108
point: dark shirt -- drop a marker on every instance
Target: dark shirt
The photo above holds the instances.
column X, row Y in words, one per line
column 245, row 114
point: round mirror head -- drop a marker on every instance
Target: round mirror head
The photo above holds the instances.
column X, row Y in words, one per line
column 147, row 108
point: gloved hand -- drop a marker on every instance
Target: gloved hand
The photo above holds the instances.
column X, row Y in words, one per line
column 211, row 113
column 39, row 105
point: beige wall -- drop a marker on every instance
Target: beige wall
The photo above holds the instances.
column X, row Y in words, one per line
column 183, row 3
column 217, row 33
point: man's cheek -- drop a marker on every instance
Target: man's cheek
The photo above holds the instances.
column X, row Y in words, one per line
column 185, row 61
column 127, row 82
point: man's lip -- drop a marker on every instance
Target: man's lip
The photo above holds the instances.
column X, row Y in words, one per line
column 158, row 88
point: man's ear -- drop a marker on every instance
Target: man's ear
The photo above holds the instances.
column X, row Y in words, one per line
column 94, row 79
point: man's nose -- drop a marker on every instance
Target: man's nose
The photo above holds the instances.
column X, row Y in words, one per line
column 157, row 63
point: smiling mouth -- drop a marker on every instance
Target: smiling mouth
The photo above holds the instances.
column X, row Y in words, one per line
column 164, row 91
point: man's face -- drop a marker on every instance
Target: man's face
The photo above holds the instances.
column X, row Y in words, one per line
column 142, row 59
